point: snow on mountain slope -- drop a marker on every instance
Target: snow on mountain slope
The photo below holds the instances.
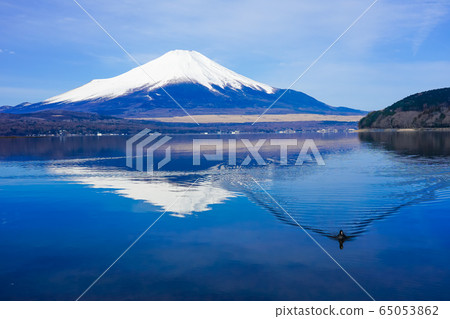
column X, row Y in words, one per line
column 178, row 66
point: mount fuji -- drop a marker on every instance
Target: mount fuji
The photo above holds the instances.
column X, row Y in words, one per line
column 198, row 84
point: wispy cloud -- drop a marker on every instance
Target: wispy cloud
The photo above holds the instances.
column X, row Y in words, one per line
column 435, row 11
column 6, row 51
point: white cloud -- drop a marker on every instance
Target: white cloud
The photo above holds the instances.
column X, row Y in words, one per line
column 434, row 13
column 7, row 51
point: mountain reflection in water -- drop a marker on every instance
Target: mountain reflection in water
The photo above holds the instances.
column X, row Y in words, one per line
column 346, row 193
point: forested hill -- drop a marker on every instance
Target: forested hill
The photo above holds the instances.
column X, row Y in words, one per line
column 430, row 109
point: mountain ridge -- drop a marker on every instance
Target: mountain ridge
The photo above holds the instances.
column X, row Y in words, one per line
column 199, row 85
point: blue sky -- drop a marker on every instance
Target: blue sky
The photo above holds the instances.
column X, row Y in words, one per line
column 400, row 47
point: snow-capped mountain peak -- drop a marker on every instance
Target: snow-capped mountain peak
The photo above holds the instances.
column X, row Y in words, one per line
column 177, row 66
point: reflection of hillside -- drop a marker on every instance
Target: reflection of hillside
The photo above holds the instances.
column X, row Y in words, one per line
column 61, row 147
column 426, row 143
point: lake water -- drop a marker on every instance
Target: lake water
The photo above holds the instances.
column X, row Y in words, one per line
column 70, row 206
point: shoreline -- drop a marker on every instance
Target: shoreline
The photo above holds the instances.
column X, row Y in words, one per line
column 242, row 119
column 405, row 130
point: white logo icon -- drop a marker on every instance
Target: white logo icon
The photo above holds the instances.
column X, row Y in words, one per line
column 147, row 143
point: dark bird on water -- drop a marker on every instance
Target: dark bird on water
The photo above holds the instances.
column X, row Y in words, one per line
column 341, row 237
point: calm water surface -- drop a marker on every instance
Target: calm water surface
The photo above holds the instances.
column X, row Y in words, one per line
column 70, row 206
